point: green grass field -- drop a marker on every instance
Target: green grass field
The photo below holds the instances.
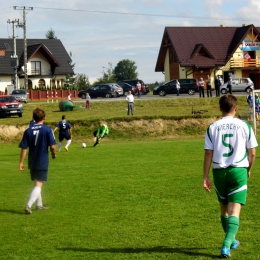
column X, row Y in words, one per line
column 121, row 200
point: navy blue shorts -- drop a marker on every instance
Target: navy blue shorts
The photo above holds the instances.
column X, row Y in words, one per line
column 39, row 175
column 64, row 135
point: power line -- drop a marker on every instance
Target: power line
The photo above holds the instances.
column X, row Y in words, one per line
column 141, row 14
column 145, row 14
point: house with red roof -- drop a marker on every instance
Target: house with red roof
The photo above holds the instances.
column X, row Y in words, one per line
column 48, row 63
column 195, row 52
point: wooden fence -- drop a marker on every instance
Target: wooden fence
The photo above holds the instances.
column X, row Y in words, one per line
column 49, row 95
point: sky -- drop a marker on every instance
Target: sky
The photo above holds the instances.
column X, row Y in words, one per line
column 101, row 32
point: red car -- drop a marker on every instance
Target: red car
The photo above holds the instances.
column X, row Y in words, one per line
column 9, row 106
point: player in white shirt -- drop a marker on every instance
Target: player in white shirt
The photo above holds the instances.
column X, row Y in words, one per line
column 230, row 148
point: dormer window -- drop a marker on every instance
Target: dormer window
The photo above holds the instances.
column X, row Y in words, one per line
column 35, row 67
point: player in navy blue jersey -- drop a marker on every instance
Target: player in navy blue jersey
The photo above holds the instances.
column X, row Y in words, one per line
column 65, row 132
column 38, row 138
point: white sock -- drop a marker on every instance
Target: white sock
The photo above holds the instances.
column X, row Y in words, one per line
column 34, row 195
column 39, row 201
column 59, row 146
column 68, row 143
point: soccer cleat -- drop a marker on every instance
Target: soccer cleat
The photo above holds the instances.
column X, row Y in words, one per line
column 27, row 210
column 225, row 252
column 235, row 245
column 66, row 148
column 42, row 207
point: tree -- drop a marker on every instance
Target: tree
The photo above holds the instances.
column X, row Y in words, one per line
column 70, row 78
column 108, row 76
column 125, row 69
column 50, row 34
column 81, row 82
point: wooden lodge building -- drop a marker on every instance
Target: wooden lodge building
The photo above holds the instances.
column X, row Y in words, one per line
column 195, row 52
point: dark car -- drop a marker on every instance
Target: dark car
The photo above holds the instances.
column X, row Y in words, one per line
column 127, row 87
column 133, row 82
column 20, row 95
column 99, row 90
column 189, row 86
column 9, row 106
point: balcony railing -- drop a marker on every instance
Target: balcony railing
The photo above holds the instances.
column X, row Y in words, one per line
column 42, row 72
column 243, row 63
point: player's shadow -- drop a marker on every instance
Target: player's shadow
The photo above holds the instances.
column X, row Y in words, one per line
column 12, row 211
column 138, row 250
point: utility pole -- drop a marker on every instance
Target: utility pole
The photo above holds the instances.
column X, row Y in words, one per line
column 23, row 25
column 14, row 58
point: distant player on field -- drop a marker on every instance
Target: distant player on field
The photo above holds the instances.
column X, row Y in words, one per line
column 65, row 132
column 38, row 138
column 101, row 132
column 230, row 148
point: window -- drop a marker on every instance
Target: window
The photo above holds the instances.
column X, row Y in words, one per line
column 35, row 67
column 182, row 81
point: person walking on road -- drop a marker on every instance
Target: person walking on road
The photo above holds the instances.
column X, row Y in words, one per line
column 209, row 91
column 217, row 86
column 201, row 87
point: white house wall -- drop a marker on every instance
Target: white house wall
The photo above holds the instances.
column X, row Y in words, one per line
column 45, row 65
column 167, row 67
column 4, row 82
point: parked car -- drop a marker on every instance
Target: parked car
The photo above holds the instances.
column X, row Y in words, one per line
column 9, row 106
column 99, row 90
column 119, row 90
column 238, row 84
column 127, row 87
column 20, row 95
column 190, row 86
column 133, row 82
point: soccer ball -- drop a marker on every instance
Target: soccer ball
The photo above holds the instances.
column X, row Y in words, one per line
column 83, row 145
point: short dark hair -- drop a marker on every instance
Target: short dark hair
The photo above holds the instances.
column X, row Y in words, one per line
column 228, row 103
column 63, row 117
column 38, row 114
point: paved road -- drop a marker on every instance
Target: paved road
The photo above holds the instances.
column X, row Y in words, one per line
column 151, row 97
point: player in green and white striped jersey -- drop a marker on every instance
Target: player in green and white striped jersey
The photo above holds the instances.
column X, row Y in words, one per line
column 230, row 149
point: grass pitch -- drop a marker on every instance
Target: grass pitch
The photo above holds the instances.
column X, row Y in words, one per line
column 121, row 200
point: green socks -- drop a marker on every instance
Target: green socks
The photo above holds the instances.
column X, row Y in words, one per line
column 231, row 228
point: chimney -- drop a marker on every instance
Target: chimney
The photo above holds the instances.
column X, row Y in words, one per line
column 223, row 25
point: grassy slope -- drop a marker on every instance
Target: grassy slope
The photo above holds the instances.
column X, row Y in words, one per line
column 153, row 118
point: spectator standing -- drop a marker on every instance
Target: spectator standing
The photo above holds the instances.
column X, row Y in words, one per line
column 229, row 85
column 217, row 86
column 256, row 99
column 220, row 80
column 257, row 111
column 130, row 100
column 88, row 101
column 209, row 91
column 201, row 87
column 65, row 132
column 178, row 86
column 230, row 148
column 69, row 98
column 249, row 100
column 138, row 87
column 38, row 138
